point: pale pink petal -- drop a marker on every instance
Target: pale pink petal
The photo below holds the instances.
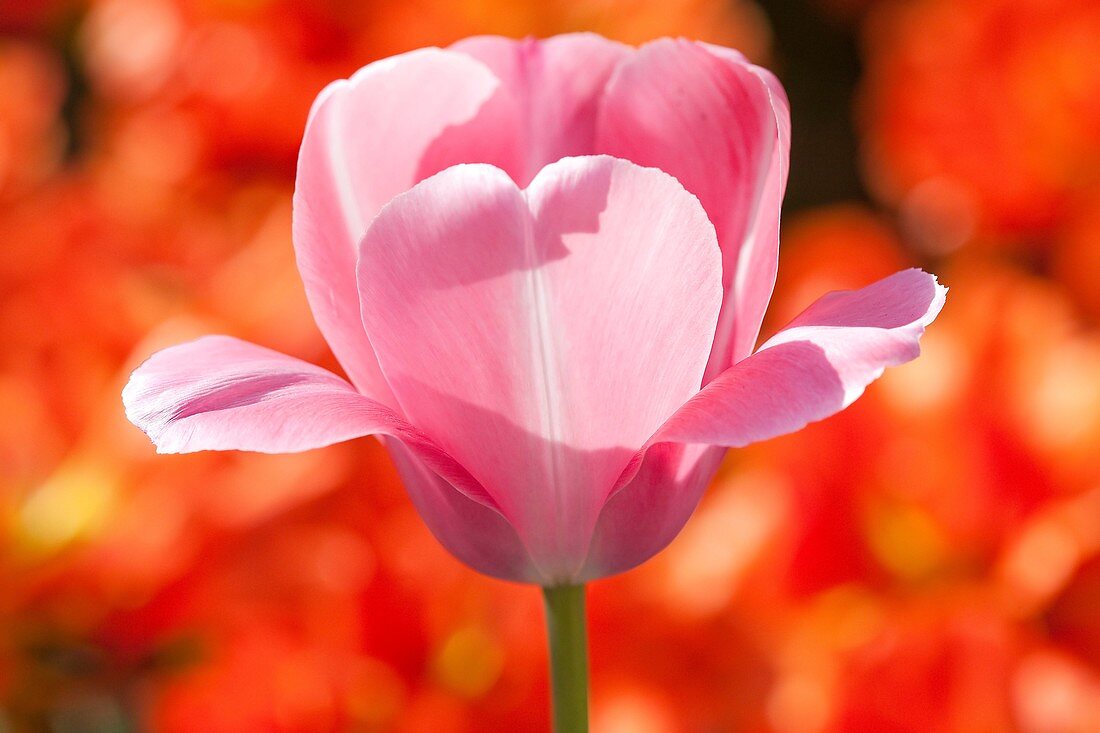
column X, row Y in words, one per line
column 220, row 393
column 818, row 365
column 549, row 97
column 721, row 126
column 542, row 336
column 472, row 532
column 369, row 138
column 815, row 367
column 640, row 520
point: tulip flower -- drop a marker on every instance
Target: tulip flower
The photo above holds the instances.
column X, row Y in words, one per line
column 543, row 266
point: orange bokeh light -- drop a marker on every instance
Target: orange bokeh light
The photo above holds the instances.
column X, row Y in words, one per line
column 929, row 560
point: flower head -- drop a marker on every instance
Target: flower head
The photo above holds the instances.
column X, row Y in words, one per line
column 543, row 266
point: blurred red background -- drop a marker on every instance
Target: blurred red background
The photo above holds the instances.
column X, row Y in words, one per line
column 928, row 561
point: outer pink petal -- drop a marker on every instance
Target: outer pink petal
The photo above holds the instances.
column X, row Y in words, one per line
column 641, row 519
column 220, row 393
column 722, row 127
column 472, row 532
column 542, row 336
column 815, row 367
column 549, row 97
column 369, row 138
column 818, row 365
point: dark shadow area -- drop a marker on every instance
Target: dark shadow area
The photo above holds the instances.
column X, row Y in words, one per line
column 817, row 59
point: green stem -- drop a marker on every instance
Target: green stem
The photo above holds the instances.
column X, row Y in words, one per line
column 566, row 627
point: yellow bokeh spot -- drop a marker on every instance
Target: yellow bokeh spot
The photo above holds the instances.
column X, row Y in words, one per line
column 906, row 541
column 72, row 504
column 469, row 662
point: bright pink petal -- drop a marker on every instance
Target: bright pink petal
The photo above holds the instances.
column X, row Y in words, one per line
column 369, row 138
column 220, row 393
column 549, row 97
column 542, row 336
column 721, row 126
column 818, row 365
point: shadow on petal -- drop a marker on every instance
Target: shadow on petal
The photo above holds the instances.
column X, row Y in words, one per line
column 575, row 209
column 549, row 492
column 663, row 483
column 242, row 392
column 643, row 517
column 474, row 533
column 776, row 391
column 489, row 136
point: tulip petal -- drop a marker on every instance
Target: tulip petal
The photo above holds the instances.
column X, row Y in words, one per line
column 542, row 336
column 722, row 127
column 816, row 366
column 369, row 138
column 474, row 533
column 640, row 520
column 549, row 96
column 220, row 393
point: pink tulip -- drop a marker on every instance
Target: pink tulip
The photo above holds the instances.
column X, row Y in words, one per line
column 555, row 342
